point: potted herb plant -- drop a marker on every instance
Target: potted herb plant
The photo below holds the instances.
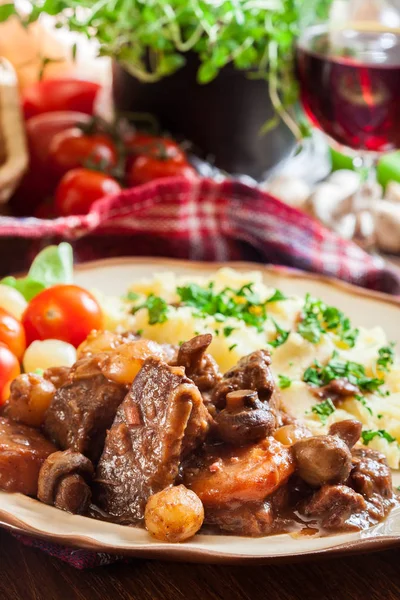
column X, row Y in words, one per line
column 216, row 72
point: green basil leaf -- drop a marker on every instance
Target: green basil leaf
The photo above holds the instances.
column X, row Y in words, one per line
column 53, row 265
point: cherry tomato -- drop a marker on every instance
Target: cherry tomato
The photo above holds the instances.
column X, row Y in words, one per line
column 147, row 168
column 39, row 181
column 52, row 95
column 79, row 188
column 71, row 149
column 9, row 370
column 157, row 147
column 63, row 312
column 12, row 334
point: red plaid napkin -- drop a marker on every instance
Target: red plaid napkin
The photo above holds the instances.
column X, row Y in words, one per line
column 207, row 220
column 202, row 220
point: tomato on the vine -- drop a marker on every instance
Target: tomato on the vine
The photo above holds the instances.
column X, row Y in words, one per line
column 143, row 144
column 72, row 148
column 80, row 188
column 62, row 312
column 9, row 370
column 147, row 168
column 12, row 333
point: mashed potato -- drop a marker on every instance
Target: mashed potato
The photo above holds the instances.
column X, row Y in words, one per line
column 244, row 315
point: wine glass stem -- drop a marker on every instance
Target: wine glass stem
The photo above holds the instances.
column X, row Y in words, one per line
column 366, row 166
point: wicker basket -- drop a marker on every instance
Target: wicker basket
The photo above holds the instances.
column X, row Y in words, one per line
column 13, row 150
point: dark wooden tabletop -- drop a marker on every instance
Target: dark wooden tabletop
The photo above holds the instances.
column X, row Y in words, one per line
column 28, row 574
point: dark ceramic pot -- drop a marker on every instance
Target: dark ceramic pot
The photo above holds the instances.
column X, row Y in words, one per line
column 222, row 119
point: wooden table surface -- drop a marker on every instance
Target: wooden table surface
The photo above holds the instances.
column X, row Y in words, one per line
column 28, row 574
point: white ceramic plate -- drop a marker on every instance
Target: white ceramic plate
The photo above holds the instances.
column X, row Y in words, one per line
column 24, row 514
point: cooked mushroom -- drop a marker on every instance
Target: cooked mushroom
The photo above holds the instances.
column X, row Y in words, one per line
column 245, row 419
column 64, row 481
column 323, row 459
column 349, row 431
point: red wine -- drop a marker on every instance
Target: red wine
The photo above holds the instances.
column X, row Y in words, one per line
column 350, row 86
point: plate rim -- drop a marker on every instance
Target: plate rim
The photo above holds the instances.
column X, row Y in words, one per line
column 181, row 552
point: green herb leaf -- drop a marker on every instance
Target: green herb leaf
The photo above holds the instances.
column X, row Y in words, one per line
column 27, row 287
column 132, row 296
column 53, row 265
column 320, row 375
column 282, row 336
column 242, row 304
column 6, row 11
column 364, row 402
column 318, row 318
column 232, row 347
column 228, row 330
column 368, row 435
column 157, row 309
column 278, row 296
column 323, row 410
column 386, row 357
column 284, row 382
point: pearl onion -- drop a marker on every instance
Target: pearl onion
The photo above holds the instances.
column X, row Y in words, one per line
column 12, row 301
column 48, row 353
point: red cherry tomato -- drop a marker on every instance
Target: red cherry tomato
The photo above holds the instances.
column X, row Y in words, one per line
column 12, row 334
column 52, row 95
column 147, row 168
column 79, row 188
column 72, row 148
column 62, row 312
column 9, row 370
column 157, row 147
column 39, row 180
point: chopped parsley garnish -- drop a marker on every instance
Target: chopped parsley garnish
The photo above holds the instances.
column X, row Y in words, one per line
column 139, row 332
column 38, row 371
column 386, row 357
column 284, row 382
column 281, row 337
column 320, row 375
column 232, row 347
column 364, row 402
column 318, row 319
column 228, row 331
column 132, row 296
column 380, row 416
column 243, row 304
column 368, row 435
column 278, row 296
column 398, row 488
column 323, row 410
column 157, row 308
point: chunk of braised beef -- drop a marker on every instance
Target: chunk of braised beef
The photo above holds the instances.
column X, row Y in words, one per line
column 245, row 419
column 349, row 431
column 162, row 418
column 321, row 460
column 252, row 372
column 338, row 506
column 371, row 474
column 199, row 366
column 249, row 519
column 23, row 450
column 83, row 409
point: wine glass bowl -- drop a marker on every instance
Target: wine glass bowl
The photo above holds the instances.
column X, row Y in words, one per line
column 349, row 74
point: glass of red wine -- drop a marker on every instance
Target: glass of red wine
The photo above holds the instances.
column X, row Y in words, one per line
column 349, row 74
